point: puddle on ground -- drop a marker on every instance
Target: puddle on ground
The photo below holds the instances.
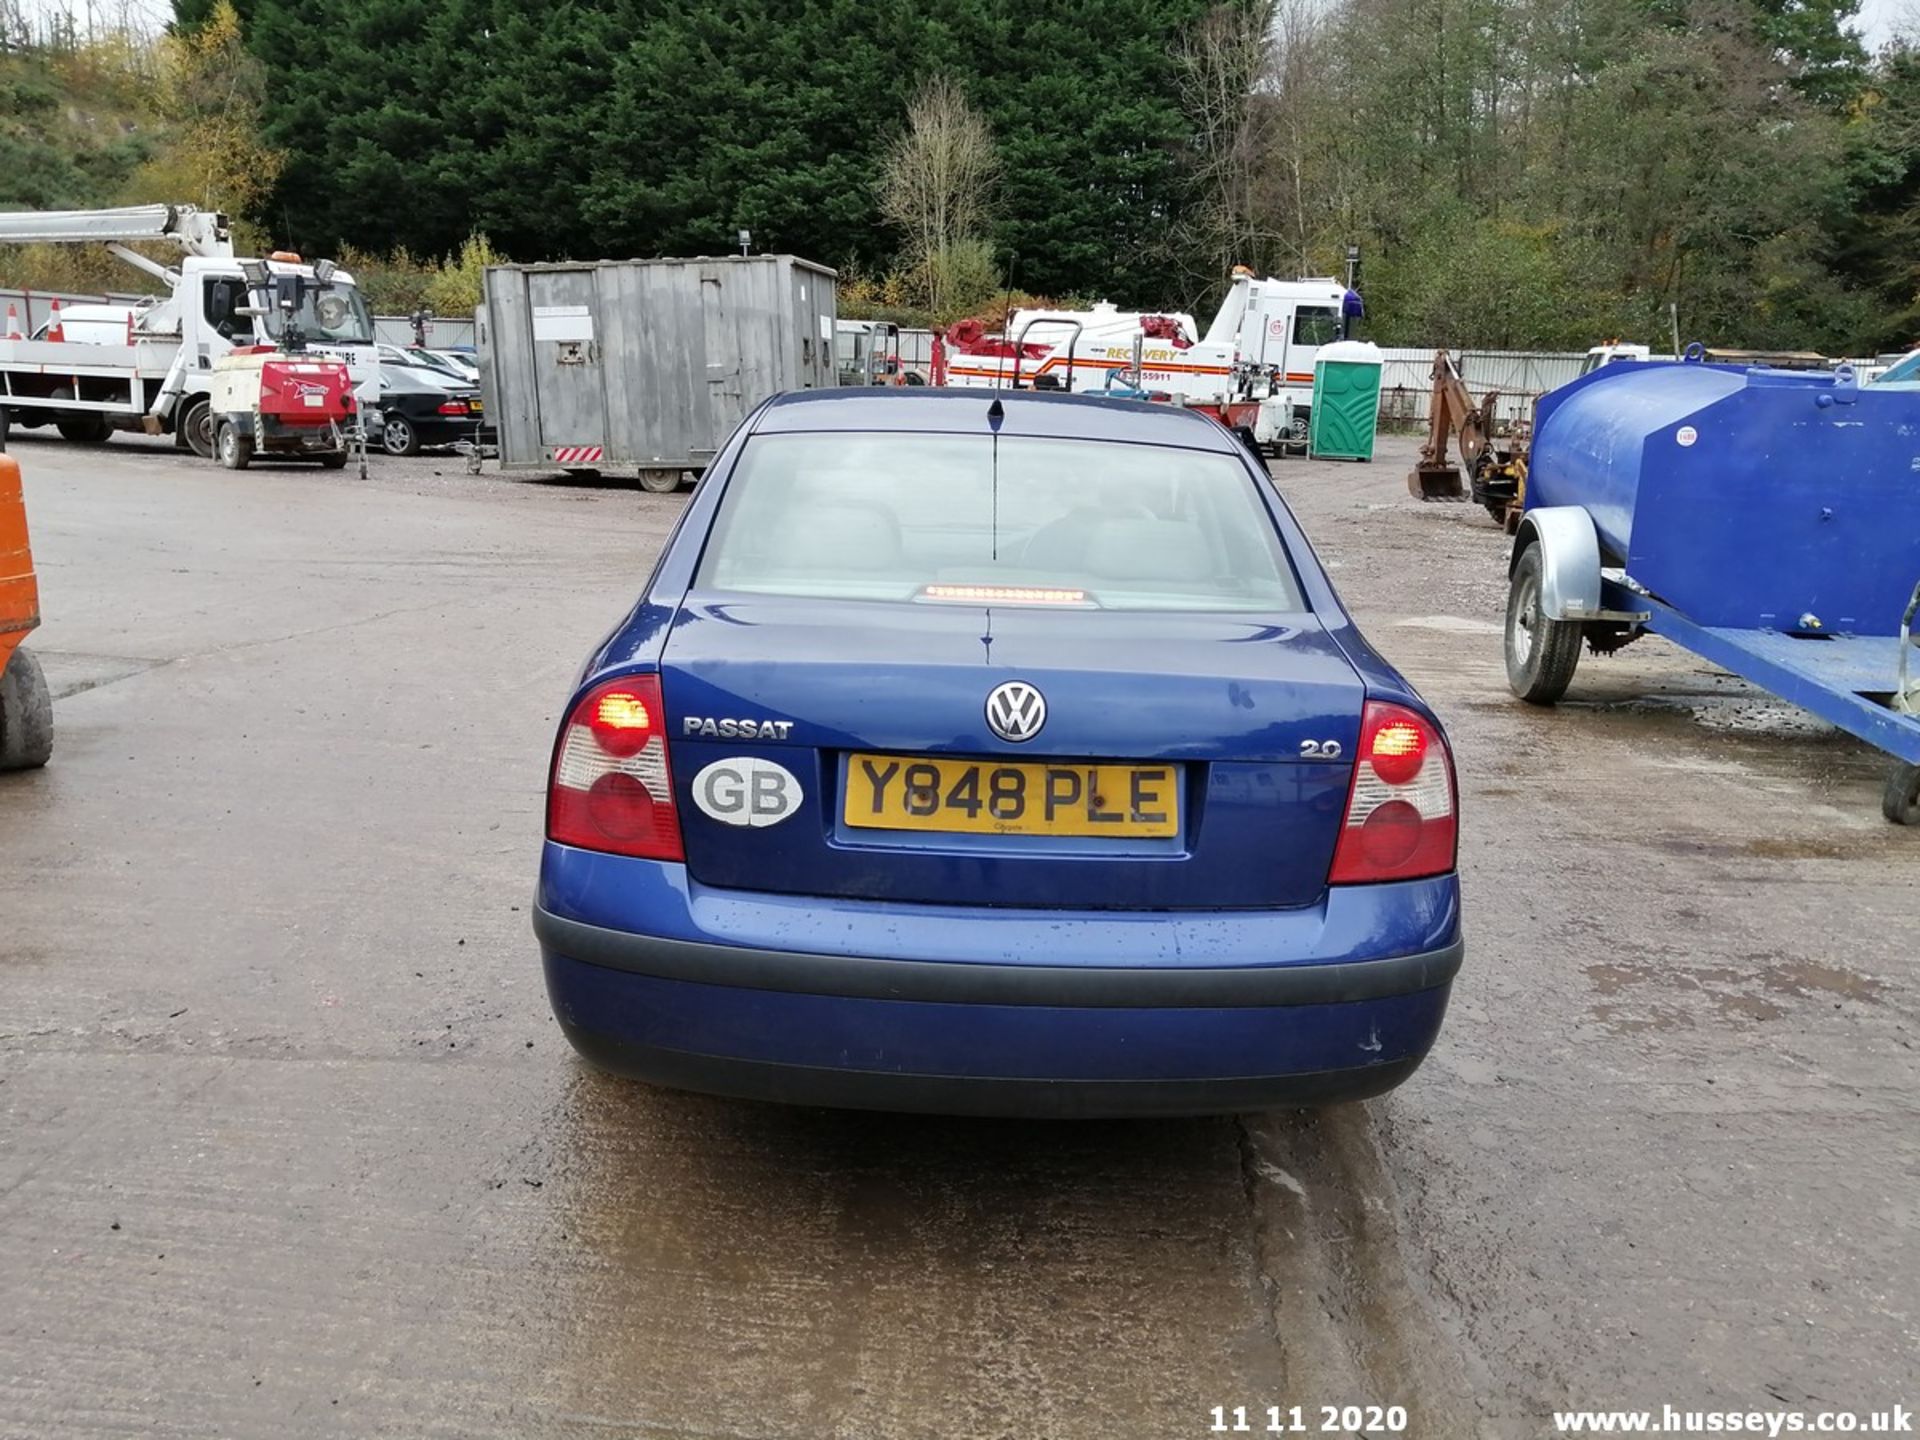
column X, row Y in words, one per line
column 1659, row 1018
column 1806, row 977
column 1640, row 996
column 1746, row 714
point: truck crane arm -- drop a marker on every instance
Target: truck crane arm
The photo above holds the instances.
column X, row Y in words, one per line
column 195, row 231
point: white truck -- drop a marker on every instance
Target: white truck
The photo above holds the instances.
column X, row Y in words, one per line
column 1253, row 366
column 155, row 375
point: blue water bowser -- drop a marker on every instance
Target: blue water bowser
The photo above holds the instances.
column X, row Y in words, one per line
column 1768, row 520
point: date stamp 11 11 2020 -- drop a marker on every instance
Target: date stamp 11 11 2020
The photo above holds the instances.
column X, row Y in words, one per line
column 1307, row 1420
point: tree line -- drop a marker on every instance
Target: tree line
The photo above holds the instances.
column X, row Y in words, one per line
column 1548, row 172
column 1516, row 173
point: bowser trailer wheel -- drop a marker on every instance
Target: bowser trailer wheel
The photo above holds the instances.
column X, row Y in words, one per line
column 236, row 450
column 334, row 460
column 1541, row 652
column 26, row 714
column 1900, row 801
column 195, row 429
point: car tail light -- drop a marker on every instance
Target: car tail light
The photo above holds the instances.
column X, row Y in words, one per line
column 453, row 407
column 610, row 788
column 1402, row 819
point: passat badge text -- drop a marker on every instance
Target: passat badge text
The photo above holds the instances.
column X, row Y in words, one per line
column 736, row 729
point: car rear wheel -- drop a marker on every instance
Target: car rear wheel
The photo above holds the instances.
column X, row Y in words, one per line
column 399, row 437
column 1901, row 800
column 26, row 713
column 236, row 450
column 1541, row 652
column 196, row 428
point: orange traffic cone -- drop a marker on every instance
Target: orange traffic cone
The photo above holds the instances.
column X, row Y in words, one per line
column 13, row 322
column 54, row 332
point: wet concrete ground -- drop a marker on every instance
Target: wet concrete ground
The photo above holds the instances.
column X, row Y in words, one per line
column 289, row 1145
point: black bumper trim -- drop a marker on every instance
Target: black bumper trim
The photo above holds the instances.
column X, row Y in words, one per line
column 974, row 1095
column 963, row 983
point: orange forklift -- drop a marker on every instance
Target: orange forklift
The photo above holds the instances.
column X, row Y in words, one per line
column 26, row 709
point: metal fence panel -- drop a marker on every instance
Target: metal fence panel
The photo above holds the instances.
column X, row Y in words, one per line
column 442, row 331
column 1521, row 377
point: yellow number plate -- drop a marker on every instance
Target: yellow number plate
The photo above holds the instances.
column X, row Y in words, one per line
column 1005, row 797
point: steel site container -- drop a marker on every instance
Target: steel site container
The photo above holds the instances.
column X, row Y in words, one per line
column 645, row 365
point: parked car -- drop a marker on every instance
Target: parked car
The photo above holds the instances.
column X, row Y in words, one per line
column 422, row 406
column 994, row 752
column 452, row 362
column 88, row 324
column 1903, row 374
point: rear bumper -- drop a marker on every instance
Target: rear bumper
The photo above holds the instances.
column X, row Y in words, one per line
column 447, row 429
column 995, row 1012
column 1134, row 987
column 1024, row 1097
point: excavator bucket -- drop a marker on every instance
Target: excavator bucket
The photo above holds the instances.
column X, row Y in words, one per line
column 1434, row 476
column 1435, row 480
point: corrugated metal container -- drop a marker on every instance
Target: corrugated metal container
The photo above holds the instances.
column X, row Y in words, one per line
column 646, row 365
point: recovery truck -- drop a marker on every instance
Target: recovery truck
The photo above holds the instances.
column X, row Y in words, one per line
column 159, row 378
column 1252, row 368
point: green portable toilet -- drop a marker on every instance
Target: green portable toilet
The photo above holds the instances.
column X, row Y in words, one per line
column 1346, row 401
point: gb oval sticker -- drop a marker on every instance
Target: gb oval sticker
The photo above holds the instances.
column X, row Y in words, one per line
column 1686, row 435
column 747, row 791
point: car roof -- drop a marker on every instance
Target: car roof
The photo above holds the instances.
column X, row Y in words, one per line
column 1028, row 412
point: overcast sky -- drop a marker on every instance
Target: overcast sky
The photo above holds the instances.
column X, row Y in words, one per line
column 1880, row 19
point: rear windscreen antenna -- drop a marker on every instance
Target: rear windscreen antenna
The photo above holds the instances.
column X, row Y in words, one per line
column 996, row 414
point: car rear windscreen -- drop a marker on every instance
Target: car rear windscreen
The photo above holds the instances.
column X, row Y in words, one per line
column 931, row 517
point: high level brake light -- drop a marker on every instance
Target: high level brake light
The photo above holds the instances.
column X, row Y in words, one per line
column 1402, row 814
column 610, row 788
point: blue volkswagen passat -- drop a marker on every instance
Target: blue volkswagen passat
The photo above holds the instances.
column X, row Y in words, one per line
column 1002, row 754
